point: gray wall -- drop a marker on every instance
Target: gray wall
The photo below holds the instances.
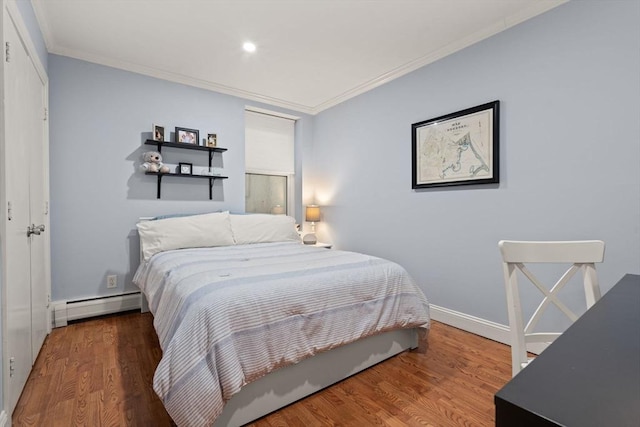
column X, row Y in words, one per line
column 570, row 156
column 100, row 117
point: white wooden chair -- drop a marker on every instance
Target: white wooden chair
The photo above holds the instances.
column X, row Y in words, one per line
column 515, row 254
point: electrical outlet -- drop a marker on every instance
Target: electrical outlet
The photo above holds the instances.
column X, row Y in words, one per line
column 112, row 281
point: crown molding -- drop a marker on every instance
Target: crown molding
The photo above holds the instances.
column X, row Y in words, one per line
column 45, row 29
column 508, row 22
column 182, row 79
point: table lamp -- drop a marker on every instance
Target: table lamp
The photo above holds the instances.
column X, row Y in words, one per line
column 312, row 215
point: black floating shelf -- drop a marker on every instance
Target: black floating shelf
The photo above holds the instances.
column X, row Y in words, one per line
column 182, row 145
column 186, row 175
column 211, row 179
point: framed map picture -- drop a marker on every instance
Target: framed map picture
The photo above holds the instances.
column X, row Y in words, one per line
column 457, row 149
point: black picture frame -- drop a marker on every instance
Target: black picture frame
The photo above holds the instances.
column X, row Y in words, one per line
column 187, row 136
column 185, row 168
column 461, row 148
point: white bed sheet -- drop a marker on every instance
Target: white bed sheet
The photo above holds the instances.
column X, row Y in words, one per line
column 227, row 316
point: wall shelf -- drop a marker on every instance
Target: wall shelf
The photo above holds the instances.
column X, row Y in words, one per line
column 211, row 150
column 182, row 145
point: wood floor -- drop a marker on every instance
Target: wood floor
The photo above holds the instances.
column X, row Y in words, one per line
column 99, row 373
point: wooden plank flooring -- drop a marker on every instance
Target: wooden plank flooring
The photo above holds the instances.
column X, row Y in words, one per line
column 99, row 373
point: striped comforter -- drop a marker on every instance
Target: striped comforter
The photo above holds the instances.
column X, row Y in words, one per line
column 226, row 316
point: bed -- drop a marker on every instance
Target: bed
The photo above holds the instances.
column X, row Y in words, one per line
column 249, row 319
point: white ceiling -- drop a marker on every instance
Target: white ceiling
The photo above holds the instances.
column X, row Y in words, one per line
column 311, row 54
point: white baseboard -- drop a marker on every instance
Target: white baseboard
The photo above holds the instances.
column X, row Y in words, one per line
column 485, row 328
column 64, row 311
column 3, row 419
column 466, row 322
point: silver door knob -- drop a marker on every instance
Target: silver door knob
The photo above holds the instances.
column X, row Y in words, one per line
column 33, row 229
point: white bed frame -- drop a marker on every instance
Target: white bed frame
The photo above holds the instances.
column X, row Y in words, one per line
column 291, row 383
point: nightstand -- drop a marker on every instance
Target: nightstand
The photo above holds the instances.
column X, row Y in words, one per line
column 323, row 245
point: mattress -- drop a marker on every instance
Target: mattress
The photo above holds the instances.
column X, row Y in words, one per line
column 227, row 316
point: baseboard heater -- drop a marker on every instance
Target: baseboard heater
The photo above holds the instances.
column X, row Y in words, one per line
column 65, row 311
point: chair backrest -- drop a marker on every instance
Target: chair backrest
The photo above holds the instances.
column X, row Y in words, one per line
column 581, row 255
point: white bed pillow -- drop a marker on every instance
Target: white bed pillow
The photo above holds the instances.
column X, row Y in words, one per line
column 197, row 231
column 263, row 228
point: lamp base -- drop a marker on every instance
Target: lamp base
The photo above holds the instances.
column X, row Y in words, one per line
column 310, row 239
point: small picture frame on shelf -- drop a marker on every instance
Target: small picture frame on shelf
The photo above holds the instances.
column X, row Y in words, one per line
column 185, row 168
column 212, row 140
column 158, row 133
column 187, row 136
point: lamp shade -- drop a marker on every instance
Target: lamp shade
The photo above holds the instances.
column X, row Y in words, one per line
column 312, row 213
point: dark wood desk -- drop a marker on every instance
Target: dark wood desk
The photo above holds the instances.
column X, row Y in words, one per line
column 590, row 375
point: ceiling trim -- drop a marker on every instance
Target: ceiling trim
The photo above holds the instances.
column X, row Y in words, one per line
column 441, row 53
column 182, row 79
column 508, row 22
column 45, row 29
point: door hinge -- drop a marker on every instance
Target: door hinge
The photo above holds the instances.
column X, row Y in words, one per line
column 12, row 365
column 46, row 114
column 46, row 207
column 9, row 211
column 48, row 300
column 7, row 52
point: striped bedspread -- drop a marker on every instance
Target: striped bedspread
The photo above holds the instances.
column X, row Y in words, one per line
column 226, row 316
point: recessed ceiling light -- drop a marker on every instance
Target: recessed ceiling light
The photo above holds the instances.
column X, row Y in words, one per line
column 249, row 47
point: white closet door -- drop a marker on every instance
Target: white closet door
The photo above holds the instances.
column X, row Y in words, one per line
column 25, row 258
column 17, row 256
column 37, row 184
